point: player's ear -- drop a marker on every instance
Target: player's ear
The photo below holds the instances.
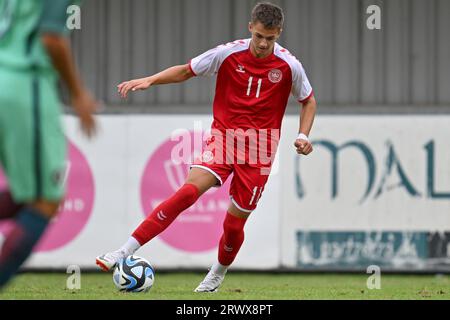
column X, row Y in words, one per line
column 280, row 31
column 250, row 27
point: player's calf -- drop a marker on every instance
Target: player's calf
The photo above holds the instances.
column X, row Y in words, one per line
column 28, row 228
column 163, row 215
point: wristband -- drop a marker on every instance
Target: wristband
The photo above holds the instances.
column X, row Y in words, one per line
column 303, row 136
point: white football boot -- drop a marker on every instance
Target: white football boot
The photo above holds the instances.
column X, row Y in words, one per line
column 211, row 282
column 109, row 260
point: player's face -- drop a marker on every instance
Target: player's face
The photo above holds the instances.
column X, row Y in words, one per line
column 263, row 40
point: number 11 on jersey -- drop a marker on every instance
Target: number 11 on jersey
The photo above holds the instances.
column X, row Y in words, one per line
column 250, row 82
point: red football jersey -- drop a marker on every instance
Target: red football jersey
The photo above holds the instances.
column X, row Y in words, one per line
column 251, row 93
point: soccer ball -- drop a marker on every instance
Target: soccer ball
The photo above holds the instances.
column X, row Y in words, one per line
column 134, row 274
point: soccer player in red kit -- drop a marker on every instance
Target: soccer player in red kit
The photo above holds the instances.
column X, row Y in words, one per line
column 254, row 80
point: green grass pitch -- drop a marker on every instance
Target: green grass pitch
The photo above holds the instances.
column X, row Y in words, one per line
column 237, row 286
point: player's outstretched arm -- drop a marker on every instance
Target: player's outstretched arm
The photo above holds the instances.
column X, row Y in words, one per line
column 308, row 113
column 59, row 51
column 174, row 74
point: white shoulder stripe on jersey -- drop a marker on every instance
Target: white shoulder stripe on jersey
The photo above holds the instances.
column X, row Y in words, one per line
column 301, row 88
column 209, row 63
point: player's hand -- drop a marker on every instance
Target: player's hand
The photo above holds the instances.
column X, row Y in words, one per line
column 133, row 85
column 85, row 106
column 303, row 147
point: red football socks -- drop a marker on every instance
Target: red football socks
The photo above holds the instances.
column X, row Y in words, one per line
column 166, row 213
column 232, row 239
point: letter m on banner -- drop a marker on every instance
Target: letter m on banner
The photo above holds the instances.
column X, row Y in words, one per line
column 335, row 150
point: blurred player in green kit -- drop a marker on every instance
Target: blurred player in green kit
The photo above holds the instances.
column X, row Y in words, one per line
column 34, row 52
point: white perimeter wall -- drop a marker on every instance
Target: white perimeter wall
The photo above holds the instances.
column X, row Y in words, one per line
column 384, row 197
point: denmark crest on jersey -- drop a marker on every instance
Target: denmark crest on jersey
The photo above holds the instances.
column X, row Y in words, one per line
column 207, row 156
column 275, row 75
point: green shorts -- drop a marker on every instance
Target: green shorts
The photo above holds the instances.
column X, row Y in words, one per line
column 32, row 142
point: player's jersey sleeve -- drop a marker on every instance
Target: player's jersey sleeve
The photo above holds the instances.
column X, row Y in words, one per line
column 54, row 16
column 301, row 87
column 208, row 63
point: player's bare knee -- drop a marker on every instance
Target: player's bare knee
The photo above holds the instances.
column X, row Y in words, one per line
column 233, row 210
column 48, row 208
column 202, row 179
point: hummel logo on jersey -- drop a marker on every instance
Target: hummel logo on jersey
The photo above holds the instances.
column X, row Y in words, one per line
column 162, row 216
column 240, row 69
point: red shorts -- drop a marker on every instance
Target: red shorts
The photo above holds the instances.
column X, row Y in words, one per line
column 247, row 184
